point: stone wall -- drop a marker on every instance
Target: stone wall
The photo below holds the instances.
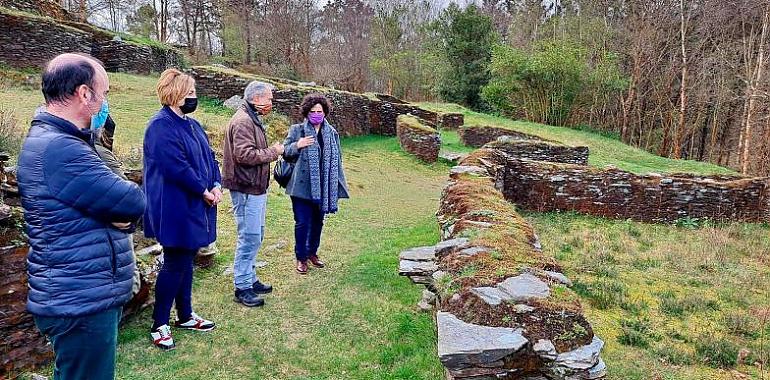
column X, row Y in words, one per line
column 541, row 150
column 613, row 193
column 478, row 135
column 504, row 309
column 352, row 114
column 49, row 8
column 451, row 120
column 32, row 41
column 418, row 138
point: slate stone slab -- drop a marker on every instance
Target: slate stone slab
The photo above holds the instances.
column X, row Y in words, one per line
column 524, row 287
column 447, row 246
column 463, row 345
column 419, row 254
column 416, row 268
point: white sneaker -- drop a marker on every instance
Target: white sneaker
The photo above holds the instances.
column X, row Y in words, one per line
column 161, row 338
column 195, row 323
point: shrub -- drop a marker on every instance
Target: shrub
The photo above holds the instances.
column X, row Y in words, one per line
column 636, row 332
column 718, row 352
column 11, row 136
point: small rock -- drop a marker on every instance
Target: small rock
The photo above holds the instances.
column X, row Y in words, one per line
column 522, row 308
column 473, row 251
column 492, row 296
column 599, row 371
column 447, row 246
column 558, row 277
column 524, row 287
column 36, row 376
column 452, row 156
column 470, row 170
column 425, row 280
column 429, row 296
column 455, row 298
column 234, row 102
column 260, row 264
column 479, row 224
column 154, row 249
column 545, row 349
column 419, row 254
column 581, row 358
column 416, row 268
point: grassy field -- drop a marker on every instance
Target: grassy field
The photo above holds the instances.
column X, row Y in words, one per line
column 671, row 302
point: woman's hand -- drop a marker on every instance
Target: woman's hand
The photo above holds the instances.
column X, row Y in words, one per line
column 209, row 198
column 305, row 142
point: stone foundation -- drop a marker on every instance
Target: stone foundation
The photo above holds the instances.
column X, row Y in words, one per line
column 30, row 41
column 33, row 41
column 451, row 120
column 541, row 150
column 418, row 138
column 352, row 114
column 478, row 135
column 613, row 193
column 504, row 309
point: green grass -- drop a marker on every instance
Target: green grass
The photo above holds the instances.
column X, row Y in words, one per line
column 604, row 150
column 670, row 302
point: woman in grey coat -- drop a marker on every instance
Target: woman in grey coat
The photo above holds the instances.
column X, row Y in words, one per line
column 318, row 180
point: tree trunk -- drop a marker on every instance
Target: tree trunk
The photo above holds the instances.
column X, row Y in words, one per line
column 679, row 134
column 754, row 84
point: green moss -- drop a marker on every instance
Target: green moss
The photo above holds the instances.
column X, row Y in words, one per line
column 415, row 123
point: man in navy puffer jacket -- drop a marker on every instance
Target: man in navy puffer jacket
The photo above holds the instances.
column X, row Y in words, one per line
column 78, row 214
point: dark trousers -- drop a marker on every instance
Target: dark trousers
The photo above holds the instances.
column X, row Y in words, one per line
column 84, row 346
column 174, row 285
column 308, row 223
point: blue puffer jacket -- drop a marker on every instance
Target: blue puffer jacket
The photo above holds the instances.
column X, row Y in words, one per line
column 179, row 166
column 78, row 263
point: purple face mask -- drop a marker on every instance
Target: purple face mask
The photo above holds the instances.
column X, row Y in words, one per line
column 315, row 118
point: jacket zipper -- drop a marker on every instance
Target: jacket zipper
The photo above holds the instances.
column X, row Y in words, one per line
column 113, row 257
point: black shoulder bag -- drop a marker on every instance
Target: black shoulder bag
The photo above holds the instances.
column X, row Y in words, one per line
column 283, row 169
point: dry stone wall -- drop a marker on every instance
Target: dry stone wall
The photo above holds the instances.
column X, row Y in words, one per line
column 504, row 309
column 33, row 41
column 613, row 193
column 49, row 8
column 418, row 138
column 352, row 114
column 30, row 41
column 541, row 150
column 478, row 135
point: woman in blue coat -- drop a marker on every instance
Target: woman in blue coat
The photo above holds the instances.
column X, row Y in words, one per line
column 181, row 183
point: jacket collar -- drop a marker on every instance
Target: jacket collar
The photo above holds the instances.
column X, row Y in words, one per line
column 174, row 116
column 64, row 126
column 253, row 115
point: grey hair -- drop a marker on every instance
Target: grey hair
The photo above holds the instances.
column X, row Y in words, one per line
column 256, row 88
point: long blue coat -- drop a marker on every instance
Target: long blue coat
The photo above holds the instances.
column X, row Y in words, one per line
column 179, row 166
column 78, row 263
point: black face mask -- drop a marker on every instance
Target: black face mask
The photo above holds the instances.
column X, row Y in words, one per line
column 190, row 104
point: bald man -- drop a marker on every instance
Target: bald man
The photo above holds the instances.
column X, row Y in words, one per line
column 79, row 215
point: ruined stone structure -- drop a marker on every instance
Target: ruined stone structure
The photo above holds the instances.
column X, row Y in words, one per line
column 614, row 193
column 504, row 309
column 451, row 120
column 478, row 135
column 541, row 150
column 48, row 8
column 418, row 138
column 352, row 114
column 29, row 41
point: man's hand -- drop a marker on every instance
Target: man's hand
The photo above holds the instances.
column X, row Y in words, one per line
column 217, row 193
column 121, row 226
column 209, row 198
column 278, row 148
column 305, row 142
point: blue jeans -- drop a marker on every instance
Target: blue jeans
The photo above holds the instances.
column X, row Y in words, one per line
column 84, row 346
column 174, row 285
column 308, row 224
column 249, row 211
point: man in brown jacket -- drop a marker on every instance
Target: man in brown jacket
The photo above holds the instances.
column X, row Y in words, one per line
column 246, row 172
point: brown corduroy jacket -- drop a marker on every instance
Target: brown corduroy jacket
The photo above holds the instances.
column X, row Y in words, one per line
column 246, row 164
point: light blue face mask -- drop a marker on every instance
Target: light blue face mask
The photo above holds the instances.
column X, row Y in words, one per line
column 98, row 120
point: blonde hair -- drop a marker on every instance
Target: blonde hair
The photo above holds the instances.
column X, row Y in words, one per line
column 173, row 87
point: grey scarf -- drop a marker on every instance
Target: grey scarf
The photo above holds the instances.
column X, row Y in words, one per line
column 324, row 179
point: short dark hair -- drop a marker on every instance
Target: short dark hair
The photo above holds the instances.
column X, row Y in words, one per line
column 61, row 82
column 310, row 100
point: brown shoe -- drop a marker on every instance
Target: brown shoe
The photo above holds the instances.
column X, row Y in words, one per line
column 316, row 262
column 301, row 267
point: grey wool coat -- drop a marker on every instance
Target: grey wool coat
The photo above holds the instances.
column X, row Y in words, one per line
column 299, row 184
